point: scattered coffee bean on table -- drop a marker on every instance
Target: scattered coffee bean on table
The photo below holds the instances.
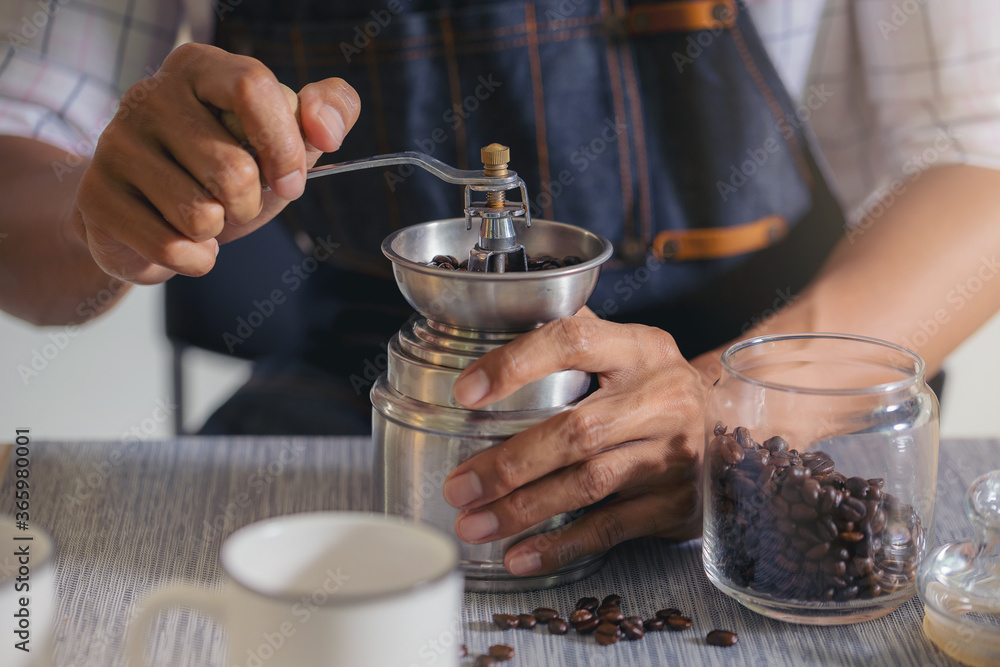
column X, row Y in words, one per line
column 579, row 616
column 632, row 631
column 613, row 599
column 722, row 638
column 485, row 661
column 590, row 604
column 558, row 626
column 789, row 525
column 544, row 614
column 606, row 634
column 463, row 651
column 667, row 613
column 678, row 623
column 526, row 621
column 501, row 652
column 505, row 621
column 588, row 626
column 653, row 624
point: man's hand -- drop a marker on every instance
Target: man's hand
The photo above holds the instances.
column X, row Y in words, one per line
column 168, row 182
column 637, row 441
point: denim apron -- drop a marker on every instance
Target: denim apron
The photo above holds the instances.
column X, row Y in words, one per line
column 662, row 126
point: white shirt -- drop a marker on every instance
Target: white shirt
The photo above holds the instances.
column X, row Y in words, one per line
column 888, row 87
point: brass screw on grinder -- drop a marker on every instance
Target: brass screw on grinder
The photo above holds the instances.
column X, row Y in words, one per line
column 495, row 158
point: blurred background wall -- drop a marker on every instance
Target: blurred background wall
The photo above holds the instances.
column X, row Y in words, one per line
column 113, row 378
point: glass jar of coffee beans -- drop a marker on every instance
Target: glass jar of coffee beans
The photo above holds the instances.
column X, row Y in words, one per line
column 819, row 476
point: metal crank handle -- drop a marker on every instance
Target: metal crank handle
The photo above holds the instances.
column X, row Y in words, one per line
column 440, row 169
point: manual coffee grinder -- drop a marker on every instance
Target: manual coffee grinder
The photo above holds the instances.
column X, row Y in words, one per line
column 420, row 434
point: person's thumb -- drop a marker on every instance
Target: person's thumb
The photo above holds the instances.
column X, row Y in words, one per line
column 329, row 109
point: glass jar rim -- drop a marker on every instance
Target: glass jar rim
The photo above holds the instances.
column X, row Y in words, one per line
column 883, row 388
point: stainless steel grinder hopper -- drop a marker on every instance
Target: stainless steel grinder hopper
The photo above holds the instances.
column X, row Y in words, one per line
column 420, row 434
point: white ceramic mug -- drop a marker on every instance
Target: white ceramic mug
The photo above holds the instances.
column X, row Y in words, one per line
column 326, row 589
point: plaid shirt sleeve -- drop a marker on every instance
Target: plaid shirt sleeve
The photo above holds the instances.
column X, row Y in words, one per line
column 64, row 64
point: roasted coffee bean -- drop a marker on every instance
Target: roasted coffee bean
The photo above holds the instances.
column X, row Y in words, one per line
column 722, row 638
column 632, row 631
column 590, row 604
column 729, row 450
column 798, row 473
column 776, row 444
column 653, row 624
column 526, row 621
column 505, row 621
column 802, row 512
column 846, row 594
column 857, row 487
column 580, row 615
column 501, row 652
column 612, row 616
column 614, row 599
column 780, row 506
column 558, row 626
column 606, row 634
column 810, row 492
column 463, row 651
column 634, row 620
column 667, row 613
column 818, row 551
column 606, row 607
column 720, row 428
column 820, row 467
column 544, row 614
column 571, row 260
column 853, row 509
column 831, row 499
column 678, row 623
column 826, row 529
column 858, row 567
column 485, row 661
column 742, row 435
column 836, row 568
column 588, row 626
column 852, row 536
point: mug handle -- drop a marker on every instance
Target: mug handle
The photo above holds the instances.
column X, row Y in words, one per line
column 179, row 595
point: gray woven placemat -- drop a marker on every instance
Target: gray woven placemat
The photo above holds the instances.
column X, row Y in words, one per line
column 129, row 518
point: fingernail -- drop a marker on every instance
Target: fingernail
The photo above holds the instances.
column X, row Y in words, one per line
column 470, row 389
column 463, row 489
column 334, row 124
column 525, row 563
column 290, row 186
column 477, row 526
